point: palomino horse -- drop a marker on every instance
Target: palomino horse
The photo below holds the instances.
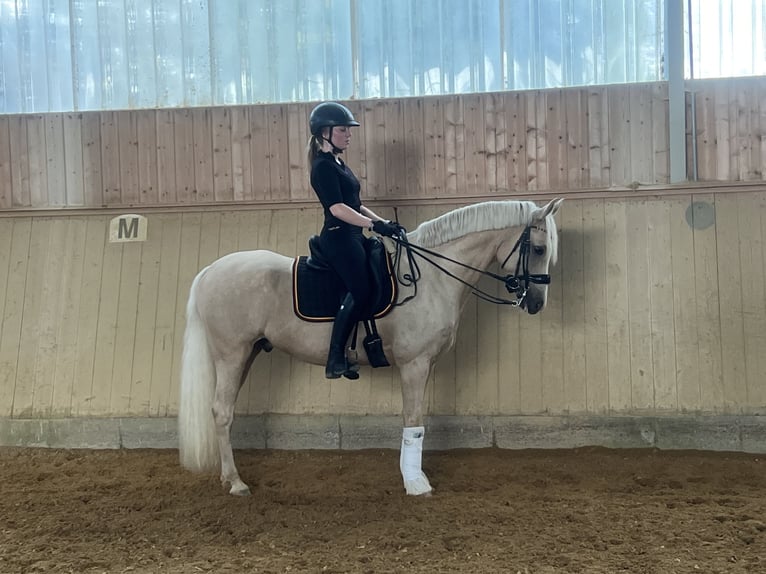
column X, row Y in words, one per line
column 240, row 305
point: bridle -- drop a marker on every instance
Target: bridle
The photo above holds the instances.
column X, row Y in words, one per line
column 517, row 283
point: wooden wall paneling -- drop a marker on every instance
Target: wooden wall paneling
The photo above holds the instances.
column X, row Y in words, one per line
column 555, row 138
column 535, row 130
column 454, row 145
column 641, row 132
column 148, row 146
column 33, row 293
column 738, row 128
column 183, row 134
column 165, row 332
column 598, row 138
column 476, row 182
column 662, row 313
column 413, row 144
column 642, row 375
column 279, row 152
column 73, row 159
column 516, row 140
column 89, row 312
column 229, row 236
column 127, row 129
column 125, row 335
column 188, row 267
column 241, row 172
column 260, row 153
column 107, row 329
column 530, row 361
column 298, row 135
column 166, row 157
column 374, row 121
column 223, row 181
column 761, row 161
column 570, row 271
column 594, row 287
column 732, row 319
column 210, row 237
column 6, row 183
column 146, row 318
column 722, row 132
column 709, row 309
column 37, row 154
column 487, row 372
column 202, row 130
column 685, row 320
column 55, row 168
column 618, row 140
column 50, row 310
column 756, row 130
column 706, row 135
column 751, row 255
column 617, row 305
column 16, row 234
column 552, row 347
column 496, row 132
column 396, row 184
column 747, row 131
column 92, row 172
column 660, row 170
column 576, row 139
column 20, row 193
column 110, row 158
column 260, row 232
column 434, row 173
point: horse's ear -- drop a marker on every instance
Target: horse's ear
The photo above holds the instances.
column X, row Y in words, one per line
column 549, row 208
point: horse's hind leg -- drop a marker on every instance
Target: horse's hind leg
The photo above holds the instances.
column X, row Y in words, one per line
column 231, row 372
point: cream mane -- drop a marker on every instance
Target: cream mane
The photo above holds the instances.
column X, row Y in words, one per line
column 480, row 217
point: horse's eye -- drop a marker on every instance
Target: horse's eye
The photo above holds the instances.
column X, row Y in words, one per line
column 539, row 250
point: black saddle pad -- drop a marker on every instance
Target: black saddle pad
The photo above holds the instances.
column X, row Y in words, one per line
column 317, row 293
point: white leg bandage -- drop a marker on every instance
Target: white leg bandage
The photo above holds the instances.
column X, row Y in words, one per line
column 410, row 461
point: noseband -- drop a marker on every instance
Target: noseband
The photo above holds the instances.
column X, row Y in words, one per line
column 517, row 283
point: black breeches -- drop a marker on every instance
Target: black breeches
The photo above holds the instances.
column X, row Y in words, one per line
column 345, row 252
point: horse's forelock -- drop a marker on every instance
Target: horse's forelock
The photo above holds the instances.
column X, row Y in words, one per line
column 472, row 218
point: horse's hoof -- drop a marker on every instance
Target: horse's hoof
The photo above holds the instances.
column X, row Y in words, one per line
column 241, row 491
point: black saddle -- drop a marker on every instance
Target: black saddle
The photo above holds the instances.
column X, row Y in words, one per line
column 318, row 291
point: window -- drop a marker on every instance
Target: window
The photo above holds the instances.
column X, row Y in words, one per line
column 63, row 55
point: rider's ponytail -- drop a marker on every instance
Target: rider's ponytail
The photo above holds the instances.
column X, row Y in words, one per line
column 312, row 149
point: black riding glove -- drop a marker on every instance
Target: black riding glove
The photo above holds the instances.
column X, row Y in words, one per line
column 387, row 228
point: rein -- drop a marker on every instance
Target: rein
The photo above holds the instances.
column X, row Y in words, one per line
column 517, row 283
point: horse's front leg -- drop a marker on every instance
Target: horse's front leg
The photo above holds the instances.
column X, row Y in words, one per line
column 414, row 378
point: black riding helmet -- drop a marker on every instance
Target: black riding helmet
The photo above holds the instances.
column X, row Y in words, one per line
column 330, row 114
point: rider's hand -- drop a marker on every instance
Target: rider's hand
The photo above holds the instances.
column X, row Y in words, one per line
column 387, row 228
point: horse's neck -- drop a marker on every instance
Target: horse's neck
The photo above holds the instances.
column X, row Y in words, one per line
column 475, row 249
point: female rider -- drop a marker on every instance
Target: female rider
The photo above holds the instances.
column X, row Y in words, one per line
column 345, row 217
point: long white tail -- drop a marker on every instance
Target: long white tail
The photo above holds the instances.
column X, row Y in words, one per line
column 196, row 428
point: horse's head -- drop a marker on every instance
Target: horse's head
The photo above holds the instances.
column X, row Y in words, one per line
column 527, row 257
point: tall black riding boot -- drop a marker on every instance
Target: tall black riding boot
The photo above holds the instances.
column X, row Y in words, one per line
column 337, row 364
